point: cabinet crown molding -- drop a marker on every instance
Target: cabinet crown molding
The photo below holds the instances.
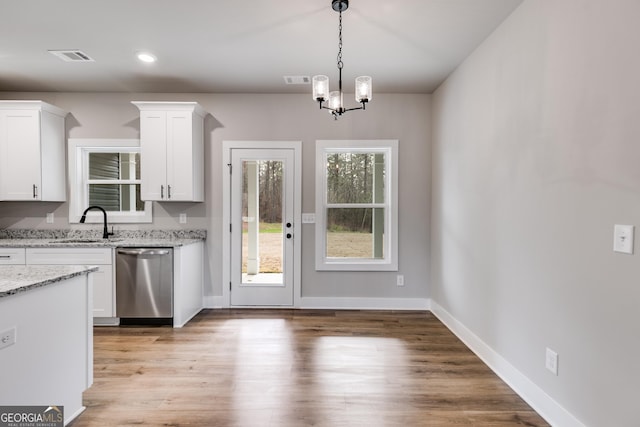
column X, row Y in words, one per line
column 193, row 107
column 32, row 105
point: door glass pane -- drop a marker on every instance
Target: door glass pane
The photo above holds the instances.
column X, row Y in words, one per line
column 262, row 229
column 355, row 233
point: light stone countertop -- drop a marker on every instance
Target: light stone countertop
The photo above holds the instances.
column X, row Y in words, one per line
column 20, row 278
column 97, row 242
column 34, row 238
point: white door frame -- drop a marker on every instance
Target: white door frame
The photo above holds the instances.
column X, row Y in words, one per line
column 227, row 146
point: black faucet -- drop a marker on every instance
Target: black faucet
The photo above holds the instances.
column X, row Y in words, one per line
column 105, row 232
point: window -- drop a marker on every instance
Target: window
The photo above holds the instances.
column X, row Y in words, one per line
column 106, row 173
column 356, row 205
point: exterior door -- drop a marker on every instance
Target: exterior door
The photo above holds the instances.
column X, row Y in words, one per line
column 262, row 227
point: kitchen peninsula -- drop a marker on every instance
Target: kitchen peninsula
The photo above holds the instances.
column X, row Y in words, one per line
column 46, row 337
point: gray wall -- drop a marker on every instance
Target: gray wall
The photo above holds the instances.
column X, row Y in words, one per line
column 269, row 117
column 535, row 158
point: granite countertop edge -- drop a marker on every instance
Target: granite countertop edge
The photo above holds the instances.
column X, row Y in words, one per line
column 100, row 243
column 16, row 279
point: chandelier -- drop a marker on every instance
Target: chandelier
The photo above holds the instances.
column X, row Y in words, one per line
column 334, row 99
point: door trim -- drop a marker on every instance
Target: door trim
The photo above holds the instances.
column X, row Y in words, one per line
column 227, row 146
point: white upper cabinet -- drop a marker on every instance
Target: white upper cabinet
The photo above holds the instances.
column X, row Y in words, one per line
column 32, row 152
column 171, row 151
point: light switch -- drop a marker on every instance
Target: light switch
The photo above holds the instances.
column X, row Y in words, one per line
column 308, row 218
column 623, row 238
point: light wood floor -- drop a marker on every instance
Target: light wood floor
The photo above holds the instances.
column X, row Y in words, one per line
column 296, row 368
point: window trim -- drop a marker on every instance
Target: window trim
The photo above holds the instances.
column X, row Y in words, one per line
column 389, row 147
column 78, row 149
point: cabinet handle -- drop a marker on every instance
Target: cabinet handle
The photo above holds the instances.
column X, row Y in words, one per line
column 35, row 191
column 168, row 191
column 5, row 256
column 162, row 191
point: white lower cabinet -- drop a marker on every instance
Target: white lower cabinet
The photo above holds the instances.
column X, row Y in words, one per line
column 103, row 284
column 187, row 282
column 12, row 256
column 187, row 276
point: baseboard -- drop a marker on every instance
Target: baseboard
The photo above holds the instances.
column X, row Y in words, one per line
column 333, row 303
column 106, row 321
column 70, row 417
column 213, row 301
column 541, row 402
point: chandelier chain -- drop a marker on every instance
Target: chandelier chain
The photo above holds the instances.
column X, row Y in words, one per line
column 340, row 63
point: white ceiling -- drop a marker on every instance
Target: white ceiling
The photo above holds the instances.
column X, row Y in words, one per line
column 407, row 46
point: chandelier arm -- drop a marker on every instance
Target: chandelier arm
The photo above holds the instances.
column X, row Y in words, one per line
column 355, row 108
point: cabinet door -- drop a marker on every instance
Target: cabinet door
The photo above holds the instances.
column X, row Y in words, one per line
column 153, row 155
column 12, row 256
column 20, row 155
column 180, row 156
column 103, row 285
column 103, row 297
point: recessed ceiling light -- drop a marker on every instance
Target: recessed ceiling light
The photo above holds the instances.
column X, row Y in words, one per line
column 146, row 57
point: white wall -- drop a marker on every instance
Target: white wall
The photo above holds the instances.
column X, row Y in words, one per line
column 536, row 156
column 269, row 117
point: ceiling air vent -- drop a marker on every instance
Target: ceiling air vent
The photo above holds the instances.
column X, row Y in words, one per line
column 297, row 80
column 72, row 55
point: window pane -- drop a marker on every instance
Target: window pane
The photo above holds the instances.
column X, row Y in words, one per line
column 129, row 165
column 104, row 165
column 355, row 178
column 114, row 165
column 116, row 197
column 355, row 233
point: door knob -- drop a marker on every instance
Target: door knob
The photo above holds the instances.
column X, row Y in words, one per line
column 288, row 225
column 289, row 235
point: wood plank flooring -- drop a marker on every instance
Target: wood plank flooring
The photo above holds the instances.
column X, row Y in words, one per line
column 291, row 368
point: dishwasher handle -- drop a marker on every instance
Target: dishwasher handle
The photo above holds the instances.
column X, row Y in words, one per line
column 143, row 251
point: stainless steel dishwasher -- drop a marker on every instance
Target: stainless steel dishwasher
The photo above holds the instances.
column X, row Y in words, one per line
column 144, row 285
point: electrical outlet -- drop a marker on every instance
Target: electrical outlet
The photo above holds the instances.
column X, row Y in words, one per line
column 400, row 280
column 551, row 361
column 7, row 338
column 183, row 218
column 308, row 218
column 50, row 218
